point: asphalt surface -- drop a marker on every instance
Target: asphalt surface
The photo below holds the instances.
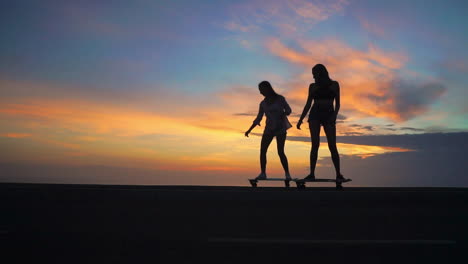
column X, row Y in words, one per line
column 139, row 224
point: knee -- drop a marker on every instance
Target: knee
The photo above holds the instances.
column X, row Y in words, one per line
column 315, row 148
column 334, row 152
column 281, row 152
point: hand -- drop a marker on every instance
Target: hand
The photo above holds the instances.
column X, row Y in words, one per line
column 247, row 133
column 299, row 124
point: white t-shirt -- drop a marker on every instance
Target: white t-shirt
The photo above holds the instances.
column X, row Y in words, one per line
column 276, row 116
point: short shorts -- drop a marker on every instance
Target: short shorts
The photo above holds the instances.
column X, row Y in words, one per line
column 324, row 115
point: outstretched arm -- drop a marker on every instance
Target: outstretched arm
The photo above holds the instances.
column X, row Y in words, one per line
column 250, row 129
column 306, row 107
column 257, row 120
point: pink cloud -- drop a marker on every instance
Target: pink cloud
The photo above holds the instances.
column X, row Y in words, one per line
column 316, row 10
column 235, row 26
column 370, row 85
column 373, row 28
column 288, row 17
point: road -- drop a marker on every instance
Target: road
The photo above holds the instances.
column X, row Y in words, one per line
column 122, row 224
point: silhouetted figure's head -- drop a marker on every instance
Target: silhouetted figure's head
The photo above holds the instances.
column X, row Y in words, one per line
column 266, row 89
column 321, row 76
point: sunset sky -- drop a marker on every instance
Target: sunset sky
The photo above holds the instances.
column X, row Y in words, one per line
column 161, row 92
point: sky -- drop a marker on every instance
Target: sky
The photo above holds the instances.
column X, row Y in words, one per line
column 161, row 92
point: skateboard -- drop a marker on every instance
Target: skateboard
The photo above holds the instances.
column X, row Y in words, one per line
column 253, row 182
column 300, row 183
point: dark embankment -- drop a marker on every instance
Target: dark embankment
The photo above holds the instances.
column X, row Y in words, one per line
column 122, row 224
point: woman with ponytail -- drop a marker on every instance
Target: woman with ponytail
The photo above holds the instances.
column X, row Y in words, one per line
column 276, row 110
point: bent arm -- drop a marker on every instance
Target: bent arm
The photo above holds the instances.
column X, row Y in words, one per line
column 259, row 117
column 250, row 129
column 257, row 120
column 337, row 100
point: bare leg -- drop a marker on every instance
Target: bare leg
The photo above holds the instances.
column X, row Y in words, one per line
column 314, row 126
column 330, row 131
column 266, row 140
column 280, row 141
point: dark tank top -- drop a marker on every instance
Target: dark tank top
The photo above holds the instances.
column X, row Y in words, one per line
column 324, row 93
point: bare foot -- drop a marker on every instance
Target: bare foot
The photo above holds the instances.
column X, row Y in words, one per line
column 340, row 177
column 309, row 177
column 261, row 176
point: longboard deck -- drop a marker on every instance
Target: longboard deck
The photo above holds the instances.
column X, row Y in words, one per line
column 253, row 182
column 301, row 182
column 275, row 179
column 322, row 180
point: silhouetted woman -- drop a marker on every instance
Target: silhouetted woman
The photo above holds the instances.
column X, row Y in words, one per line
column 275, row 107
column 324, row 91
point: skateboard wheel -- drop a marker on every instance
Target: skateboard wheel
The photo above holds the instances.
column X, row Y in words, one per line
column 253, row 183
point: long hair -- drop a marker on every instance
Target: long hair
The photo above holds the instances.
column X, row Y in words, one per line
column 321, row 76
column 266, row 88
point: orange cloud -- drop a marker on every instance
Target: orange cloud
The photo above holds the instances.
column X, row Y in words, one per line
column 79, row 115
column 62, row 144
column 99, row 131
column 88, row 133
column 366, row 151
column 218, row 168
column 16, row 135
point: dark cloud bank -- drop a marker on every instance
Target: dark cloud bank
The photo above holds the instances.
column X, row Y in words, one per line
column 413, row 99
column 437, row 159
column 427, row 141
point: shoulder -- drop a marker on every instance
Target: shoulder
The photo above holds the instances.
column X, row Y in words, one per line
column 279, row 99
column 312, row 88
column 335, row 86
